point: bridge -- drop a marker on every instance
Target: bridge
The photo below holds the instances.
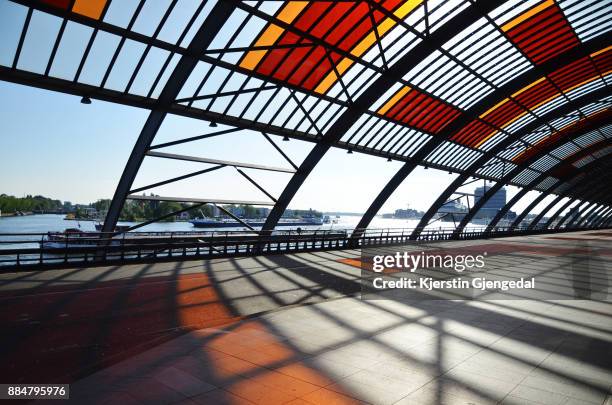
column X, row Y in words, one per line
column 502, row 93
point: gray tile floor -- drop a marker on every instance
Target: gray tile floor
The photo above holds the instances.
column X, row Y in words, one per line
column 314, row 342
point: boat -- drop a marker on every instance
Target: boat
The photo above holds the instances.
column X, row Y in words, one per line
column 206, row 222
column 118, row 228
column 71, row 237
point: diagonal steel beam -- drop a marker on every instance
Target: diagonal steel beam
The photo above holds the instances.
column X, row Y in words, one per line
column 203, row 37
column 217, row 162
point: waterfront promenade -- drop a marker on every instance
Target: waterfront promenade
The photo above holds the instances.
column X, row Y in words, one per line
column 292, row 329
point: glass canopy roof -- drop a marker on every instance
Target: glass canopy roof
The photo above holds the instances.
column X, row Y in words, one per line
column 522, row 86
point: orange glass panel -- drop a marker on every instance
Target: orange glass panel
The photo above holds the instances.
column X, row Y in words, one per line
column 291, row 10
column 271, row 34
column 393, row 100
column 309, row 69
column 89, row 8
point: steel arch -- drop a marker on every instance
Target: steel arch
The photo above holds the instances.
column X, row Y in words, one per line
column 567, row 108
column 483, row 105
column 518, row 169
column 501, row 213
column 552, row 204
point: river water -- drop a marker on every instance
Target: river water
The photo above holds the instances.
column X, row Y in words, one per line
column 57, row 223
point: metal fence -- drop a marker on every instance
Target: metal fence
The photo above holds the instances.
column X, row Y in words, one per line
column 27, row 251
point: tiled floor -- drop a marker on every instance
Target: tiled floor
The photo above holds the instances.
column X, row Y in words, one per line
column 291, row 329
column 351, row 351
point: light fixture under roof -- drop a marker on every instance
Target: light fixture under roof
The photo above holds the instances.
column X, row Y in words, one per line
column 212, row 124
column 85, row 100
column 285, row 138
column 350, row 151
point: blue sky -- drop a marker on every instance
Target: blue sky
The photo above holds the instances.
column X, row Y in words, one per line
column 56, row 146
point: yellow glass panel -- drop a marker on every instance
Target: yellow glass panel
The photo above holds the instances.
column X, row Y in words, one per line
column 486, row 138
column 251, row 59
column 393, row 100
column 344, row 65
column 602, row 51
column 527, row 14
column 268, row 38
column 291, row 10
column 524, row 89
column 329, row 80
column 492, row 108
column 385, row 26
column 89, row 8
column 364, row 44
column 406, row 8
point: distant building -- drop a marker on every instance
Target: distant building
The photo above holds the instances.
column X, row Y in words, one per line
column 90, row 212
column 493, row 205
column 238, row 211
column 263, row 212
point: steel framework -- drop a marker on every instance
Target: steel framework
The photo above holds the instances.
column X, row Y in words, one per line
column 509, row 92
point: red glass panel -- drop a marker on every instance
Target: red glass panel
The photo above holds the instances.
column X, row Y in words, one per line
column 348, row 22
column 543, row 35
column 297, row 57
column 503, row 114
column 334, row 15
column 401, row 104
column 603, row 61
column 311, row 15
column 536, row 94
column 321, row 68
column 472, row 133
column 573, row 74
column 422, row 111
column 57, row 3
column 417, row 104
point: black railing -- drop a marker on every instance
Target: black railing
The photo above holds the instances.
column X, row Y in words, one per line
column 27, row 251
